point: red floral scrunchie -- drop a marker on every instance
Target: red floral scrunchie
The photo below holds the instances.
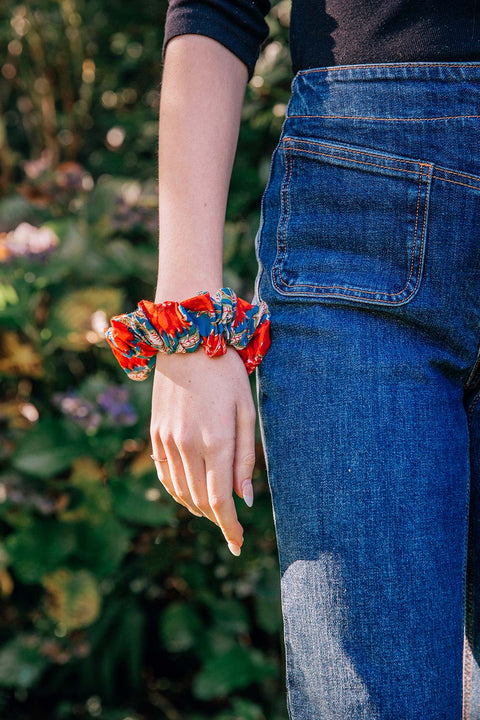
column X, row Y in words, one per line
column 213, row 321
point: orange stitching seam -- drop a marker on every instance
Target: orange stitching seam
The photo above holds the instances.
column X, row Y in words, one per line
column 456, row 182
column 387, row 119
column 457, row 172
column 399, row 64
column 344, row 148
column 361, row 162
column 284, row 214
column 405, row 160
column 341, row 287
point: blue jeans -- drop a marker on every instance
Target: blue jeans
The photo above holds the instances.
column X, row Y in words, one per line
column 368, row 256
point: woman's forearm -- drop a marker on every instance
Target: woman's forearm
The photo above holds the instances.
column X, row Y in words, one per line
column 202, row 92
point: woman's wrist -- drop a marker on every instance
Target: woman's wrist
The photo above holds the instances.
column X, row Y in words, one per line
column 178, row 291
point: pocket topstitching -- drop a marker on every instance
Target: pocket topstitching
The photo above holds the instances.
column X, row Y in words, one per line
column 352, row 222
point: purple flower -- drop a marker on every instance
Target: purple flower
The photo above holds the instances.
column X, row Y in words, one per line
column 114, row 400
column 112, row 404
column 81, row 411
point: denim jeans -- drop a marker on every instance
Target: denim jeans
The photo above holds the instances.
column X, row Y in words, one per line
column 368, row 256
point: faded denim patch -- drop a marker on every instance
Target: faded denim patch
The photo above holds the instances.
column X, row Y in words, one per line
column 324, row 683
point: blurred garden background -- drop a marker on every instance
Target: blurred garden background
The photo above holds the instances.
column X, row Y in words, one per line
column 115, row 602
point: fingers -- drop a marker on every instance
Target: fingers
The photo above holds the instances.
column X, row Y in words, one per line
column 195, row 473
column 244, row 460
column 219, row 470
column 177, row 473
column 173, row 480
column 202, row 486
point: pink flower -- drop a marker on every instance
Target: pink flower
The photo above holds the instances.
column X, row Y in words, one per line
column 29, row 240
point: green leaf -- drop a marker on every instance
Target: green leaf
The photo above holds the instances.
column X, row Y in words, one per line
column 39, row 548
column 243, row 709
column 45, row 450
column 180, row 627
column 131, row 501
column 8, row 296
column 229, row 671
column 102, row 546
column 195, row 575
column 229, row 615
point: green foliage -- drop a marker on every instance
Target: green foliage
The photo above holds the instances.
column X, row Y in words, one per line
column 116, row 602
column 225, row 672
column 180, row 627
column 38, row 548
column 45, row 450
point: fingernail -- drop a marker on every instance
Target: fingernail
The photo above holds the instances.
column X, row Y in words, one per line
column 234, row 549
column 247, row 489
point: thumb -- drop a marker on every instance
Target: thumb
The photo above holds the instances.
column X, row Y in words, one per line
column 244, row 460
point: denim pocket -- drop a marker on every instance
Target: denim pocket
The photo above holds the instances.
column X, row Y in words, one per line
column 352, row 224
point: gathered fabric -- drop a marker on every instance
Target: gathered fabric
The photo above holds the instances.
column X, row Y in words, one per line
column 210, row 321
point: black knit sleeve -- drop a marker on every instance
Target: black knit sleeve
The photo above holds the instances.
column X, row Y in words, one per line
column 239, row 25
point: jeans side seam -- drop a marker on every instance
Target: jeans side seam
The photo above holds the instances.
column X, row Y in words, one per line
column 473, row 376
column 468, row 639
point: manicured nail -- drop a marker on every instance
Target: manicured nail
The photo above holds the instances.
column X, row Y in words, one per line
column 247, row 490
column 234, row 549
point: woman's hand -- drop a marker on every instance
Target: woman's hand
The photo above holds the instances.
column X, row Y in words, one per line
column 203, row 421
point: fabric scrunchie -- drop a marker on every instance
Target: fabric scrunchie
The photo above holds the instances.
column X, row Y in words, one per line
column 213, row 321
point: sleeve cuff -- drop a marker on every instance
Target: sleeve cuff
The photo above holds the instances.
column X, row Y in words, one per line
column 181, row 21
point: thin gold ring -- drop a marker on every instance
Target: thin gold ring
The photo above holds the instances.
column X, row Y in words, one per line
column 159, row 459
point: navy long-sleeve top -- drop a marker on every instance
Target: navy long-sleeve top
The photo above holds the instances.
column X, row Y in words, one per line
column 337, row 32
